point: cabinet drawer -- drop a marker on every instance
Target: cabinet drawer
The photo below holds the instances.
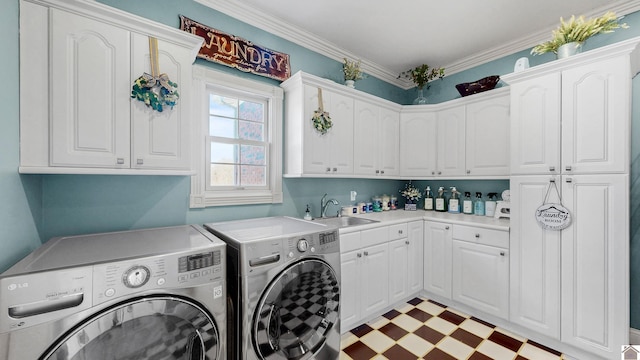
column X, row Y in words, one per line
column 374, row 236
column 349, row 242
column 481, row 236
column 397, row 231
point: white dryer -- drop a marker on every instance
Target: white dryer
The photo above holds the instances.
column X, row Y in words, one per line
column 144, row 294
column 284, row 289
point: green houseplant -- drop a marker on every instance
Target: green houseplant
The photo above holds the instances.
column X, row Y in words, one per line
column 576, row 31
column 352, row 72
column 421, row 75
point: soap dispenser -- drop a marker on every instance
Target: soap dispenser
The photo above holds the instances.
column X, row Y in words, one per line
column 454, row 201
column 478, row 206
column 467, row 204
column 441, row 202
column 428, row 199
column 490, row 205
column 307, row 214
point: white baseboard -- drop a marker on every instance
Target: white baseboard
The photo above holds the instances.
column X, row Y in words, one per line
column 634, row 336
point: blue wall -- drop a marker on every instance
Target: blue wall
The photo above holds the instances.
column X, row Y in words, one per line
column 34, row 208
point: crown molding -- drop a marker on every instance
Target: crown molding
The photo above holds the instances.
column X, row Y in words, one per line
column 304, row 38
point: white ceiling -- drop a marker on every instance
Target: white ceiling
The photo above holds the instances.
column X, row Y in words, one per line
column 391, row 37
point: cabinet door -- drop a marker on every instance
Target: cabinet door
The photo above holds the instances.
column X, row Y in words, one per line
column 451, row 142
column 366, row 138
column 535, row 258
column 331, row 153
column 350, row 289
column 437, row 258
column 161, row 140
column 90, row 94
column 398, row 270
column 415, row 257
column 418, row 144
column 596, row 117
column 488, row 137
column 388, row 140
column 595, row 263
column 481, row 277
column 374, row 290
column 535, row 125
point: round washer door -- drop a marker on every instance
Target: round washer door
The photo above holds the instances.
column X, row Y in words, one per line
column 165, row 327
column 296, row 311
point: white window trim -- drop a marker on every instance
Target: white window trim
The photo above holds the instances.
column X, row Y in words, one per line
column 200, row 197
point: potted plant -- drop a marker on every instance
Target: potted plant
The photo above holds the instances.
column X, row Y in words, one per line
column 412, row 194
column 421, row 75
column 568, row 38
column 352, row 72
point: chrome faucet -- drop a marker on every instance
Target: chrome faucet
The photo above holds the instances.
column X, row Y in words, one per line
column 324, row 204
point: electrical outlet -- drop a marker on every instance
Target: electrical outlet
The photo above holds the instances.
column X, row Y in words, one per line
column 353, row 195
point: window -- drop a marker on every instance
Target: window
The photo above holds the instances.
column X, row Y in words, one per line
column 238, row 144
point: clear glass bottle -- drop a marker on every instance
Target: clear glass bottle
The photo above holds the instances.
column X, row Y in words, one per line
column 467, row 203
column 454, row 201
column 441, row 201
column 478, row 205
column 428, row 199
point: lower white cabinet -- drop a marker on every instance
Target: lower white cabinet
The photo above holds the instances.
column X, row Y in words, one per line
column 364, row 275
column 405, row 260
column 573, row 284
column 480, row 277
column 437, row 258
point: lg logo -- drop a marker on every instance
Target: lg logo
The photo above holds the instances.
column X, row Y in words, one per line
column 12, row 287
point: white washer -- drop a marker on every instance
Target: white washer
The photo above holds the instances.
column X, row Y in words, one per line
column 143, row 294
column 284, row 289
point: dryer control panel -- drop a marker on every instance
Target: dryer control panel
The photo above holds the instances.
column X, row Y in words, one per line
column 116, row 279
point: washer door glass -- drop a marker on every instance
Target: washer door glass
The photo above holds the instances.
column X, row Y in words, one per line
column 296, row 311
column 166, row 328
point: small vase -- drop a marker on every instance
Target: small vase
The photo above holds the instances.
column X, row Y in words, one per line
column 350, row 83
column 568, row 49
column 420, row 100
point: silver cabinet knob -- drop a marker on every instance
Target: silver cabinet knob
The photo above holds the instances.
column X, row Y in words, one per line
column 477, row 236
column 377, row 171
column 407, row 242
column 139, row 161
column 468, row 171
column 433, row 173
column 120, row 161
column 366, row 253
column 446, row 228
column 552, row 168
column 359, row 255
column 400, row 232
column 381, row 171
column 335, row 169
column 439, row 172
column 502, row 253
column 569, row 180
column 567, row 168
column 328, row 169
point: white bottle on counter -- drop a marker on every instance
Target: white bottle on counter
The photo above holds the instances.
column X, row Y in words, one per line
column 490, row 205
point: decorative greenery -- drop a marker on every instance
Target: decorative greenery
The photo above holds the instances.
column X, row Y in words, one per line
column 155, row 93
column 321, row 121
column 351, row 70
column 410, row 192
column 578, row 30
column 422, row 74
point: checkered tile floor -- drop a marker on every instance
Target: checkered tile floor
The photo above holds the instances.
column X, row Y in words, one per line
column 425, row 329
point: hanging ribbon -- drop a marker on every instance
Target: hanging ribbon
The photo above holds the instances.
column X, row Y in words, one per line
column 155, row 89
column 321, row 119
column 553, row 216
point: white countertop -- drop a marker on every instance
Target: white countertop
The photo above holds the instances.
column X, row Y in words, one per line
column 399, row 216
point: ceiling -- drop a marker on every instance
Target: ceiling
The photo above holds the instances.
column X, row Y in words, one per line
column 393, row 37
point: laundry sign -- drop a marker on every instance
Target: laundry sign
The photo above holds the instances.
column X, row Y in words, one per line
column 553, row 216
column 237, row 52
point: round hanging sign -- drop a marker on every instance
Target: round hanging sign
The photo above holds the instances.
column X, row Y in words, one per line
column 553, row 216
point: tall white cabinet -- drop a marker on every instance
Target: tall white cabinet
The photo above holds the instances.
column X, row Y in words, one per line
column 81, row 118
column 570, row 126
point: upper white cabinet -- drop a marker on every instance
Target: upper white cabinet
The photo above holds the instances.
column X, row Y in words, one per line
column 572, row 119
column 373, row 137
column 488, row 136
column 331, row 153
column 375, row 146
column 84, row 120
column 461, row 138
column 362, row 140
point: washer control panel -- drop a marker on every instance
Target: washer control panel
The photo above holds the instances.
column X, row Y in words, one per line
column 316, row 243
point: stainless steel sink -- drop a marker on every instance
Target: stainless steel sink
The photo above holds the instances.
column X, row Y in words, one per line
column 344, row 221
